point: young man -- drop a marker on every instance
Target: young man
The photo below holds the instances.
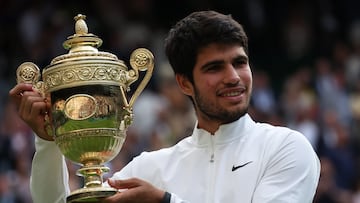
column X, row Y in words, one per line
column 228, row 158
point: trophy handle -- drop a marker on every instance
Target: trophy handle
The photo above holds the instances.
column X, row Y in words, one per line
column 30, row 73
column 143, row 60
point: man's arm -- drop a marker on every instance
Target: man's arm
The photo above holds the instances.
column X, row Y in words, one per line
column 292, row 173
column 49, row 175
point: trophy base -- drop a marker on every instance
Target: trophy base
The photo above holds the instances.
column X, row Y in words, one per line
column 90, row 195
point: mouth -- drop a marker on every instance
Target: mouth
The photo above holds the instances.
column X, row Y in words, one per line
column 232, row 92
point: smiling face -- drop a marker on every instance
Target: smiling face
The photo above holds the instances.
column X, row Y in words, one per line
column 222, row 85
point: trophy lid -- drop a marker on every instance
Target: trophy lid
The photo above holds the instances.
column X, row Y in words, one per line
column 81, row 36
column 82, row 43
column 84, row 64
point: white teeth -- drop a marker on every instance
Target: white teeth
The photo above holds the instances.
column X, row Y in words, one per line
column 231, row 94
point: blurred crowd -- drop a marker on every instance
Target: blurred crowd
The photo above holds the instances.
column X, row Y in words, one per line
column 305, row 57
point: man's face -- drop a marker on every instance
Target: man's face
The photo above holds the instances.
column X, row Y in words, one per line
column 222, row 85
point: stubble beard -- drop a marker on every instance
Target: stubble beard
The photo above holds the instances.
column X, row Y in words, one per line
column 217, row 113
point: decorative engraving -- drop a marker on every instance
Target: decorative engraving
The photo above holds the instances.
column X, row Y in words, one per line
column 142, row 59
column 28, row 73
column 69, row 76
column 84, row 73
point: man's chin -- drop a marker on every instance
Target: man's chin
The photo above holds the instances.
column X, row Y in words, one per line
column 233, row 116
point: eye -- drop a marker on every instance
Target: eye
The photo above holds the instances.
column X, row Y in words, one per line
column 240, row 61
column 212, row 67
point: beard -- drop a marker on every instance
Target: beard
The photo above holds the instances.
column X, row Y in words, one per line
column 215, row 112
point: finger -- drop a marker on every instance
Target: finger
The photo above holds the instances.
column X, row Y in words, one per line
column 113, row 198
column 26, row 110
column 38, row 109
column 123, row 184
column 19, row 88
column 27, row 99
column 16, row 92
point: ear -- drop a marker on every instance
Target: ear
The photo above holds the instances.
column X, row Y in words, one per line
column 185, row 85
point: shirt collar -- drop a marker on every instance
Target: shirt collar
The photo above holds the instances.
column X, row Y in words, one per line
column 226, row 132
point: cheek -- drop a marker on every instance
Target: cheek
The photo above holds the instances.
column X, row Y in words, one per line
column 249, row 79
column 209, row 84
column 249, row 83
column 205, row 81
column 246, row 76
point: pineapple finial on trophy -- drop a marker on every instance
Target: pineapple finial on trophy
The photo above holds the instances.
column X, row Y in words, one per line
column 80, row 25
column 82, row 40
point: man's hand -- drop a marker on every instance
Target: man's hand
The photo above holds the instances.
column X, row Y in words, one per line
column 134, row 190
column 31, row 107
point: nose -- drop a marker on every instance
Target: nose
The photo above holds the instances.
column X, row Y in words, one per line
column 231, row 75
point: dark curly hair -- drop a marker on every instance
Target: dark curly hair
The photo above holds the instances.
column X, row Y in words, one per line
column 196, row 31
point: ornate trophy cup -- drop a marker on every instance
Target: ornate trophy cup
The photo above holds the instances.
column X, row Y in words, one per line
column 90, row 112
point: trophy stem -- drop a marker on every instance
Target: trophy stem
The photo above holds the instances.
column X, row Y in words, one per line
column 92, row 192
column 93, row 175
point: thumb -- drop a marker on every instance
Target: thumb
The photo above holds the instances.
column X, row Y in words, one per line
column 113, row 183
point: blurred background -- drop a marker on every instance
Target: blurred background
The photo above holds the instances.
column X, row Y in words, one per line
column 305, row 57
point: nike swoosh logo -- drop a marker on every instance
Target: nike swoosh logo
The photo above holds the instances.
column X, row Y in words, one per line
column 234, row 168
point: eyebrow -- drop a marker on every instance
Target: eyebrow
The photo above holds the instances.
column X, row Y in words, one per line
column 242, row 57
column 218, row 62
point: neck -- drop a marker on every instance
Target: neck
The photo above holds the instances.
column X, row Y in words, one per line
column 210, row 125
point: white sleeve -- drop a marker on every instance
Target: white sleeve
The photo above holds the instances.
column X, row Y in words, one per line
column 292, row 173
column 176, row 199
column 49, row 174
